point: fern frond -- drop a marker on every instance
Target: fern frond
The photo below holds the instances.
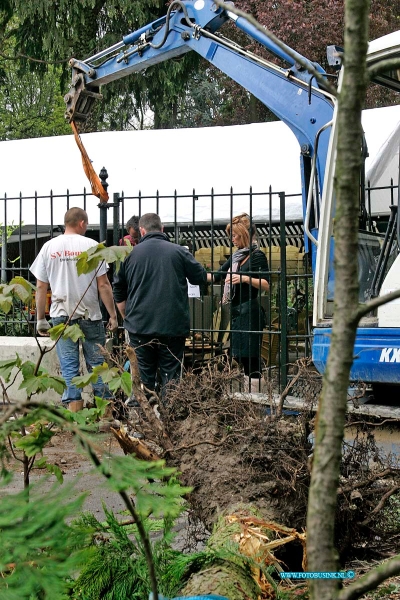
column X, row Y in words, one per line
column 39, row 550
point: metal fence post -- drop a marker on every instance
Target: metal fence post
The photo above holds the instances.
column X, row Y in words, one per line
column 4, row 245
column 283, row 293
column 116, row 229
column 103, row 206
column 4, row 254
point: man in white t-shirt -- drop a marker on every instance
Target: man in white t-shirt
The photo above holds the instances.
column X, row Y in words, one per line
column 75, row 296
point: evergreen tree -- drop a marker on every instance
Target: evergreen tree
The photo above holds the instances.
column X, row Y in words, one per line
column 61, row 30
column 31, row 106
column 188, row 92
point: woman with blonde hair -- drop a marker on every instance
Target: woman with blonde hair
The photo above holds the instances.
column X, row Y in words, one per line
column 246, row 277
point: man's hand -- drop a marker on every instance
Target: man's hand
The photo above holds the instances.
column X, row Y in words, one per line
column 43, row 327
column 112, row 324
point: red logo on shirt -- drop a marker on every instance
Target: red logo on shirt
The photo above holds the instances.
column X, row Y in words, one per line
column 65, row 254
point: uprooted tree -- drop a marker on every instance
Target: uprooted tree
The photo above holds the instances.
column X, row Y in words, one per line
column 249, row 471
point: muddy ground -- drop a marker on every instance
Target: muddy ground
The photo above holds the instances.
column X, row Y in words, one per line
column 76, row 467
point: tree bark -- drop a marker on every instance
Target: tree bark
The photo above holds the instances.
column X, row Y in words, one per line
column 321, row 551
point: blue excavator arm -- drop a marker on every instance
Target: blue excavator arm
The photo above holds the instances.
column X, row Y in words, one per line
column 290, row 92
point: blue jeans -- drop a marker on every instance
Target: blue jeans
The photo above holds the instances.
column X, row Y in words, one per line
column 68, row 355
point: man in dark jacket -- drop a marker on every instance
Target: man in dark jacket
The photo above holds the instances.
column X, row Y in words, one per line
column 151, row 293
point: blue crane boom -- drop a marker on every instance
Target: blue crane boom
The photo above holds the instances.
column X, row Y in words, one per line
column 291, row 93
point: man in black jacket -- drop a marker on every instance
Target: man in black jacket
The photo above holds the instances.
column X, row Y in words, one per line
column 151, row 293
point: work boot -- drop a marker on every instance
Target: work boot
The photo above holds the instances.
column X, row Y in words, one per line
column 108, row 413
column 75, row 405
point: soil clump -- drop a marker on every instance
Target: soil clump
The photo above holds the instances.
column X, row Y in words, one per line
column 230, row 451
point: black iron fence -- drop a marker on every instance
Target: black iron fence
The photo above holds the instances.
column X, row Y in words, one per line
column 197, row 221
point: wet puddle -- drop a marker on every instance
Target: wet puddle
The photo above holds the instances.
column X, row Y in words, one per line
column 387, row 438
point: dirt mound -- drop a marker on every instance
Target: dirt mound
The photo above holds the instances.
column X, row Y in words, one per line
column 230, row 452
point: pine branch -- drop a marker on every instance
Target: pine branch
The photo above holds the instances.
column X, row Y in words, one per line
column 19, row 55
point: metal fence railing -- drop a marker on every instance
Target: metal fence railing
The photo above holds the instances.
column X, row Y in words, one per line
column 197, row 221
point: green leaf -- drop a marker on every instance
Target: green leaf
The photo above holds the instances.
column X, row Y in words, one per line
column 101, row 403
column 126, row 383
column 108, row 374
column 27, row 369
column 74, row 333
column 23, row 294
column 114, row 384
column 56, row 331
column 123, row 382
column 5, row 303
column 29, row 287
column 7, row 366
column 34, row 443
column 55, row 383
column 90, row 259
column 42, row 463
column 116, row 254
column 82, row 381
column 41, row 383
column 101, row 369
column 98, row 371
column 147, row 480
column 32, row 385
column 55, row 470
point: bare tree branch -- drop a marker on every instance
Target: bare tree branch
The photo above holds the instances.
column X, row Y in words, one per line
column 371, row 580
column 302, row 364
column 365, row 482
column 364, row 309
column 32, row 59
column 381, row 504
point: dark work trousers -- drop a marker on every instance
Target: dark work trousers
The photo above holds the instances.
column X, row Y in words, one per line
column 163, row 353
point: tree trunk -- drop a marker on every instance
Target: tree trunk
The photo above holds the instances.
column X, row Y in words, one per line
column 246, row 544
column 321, row 551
